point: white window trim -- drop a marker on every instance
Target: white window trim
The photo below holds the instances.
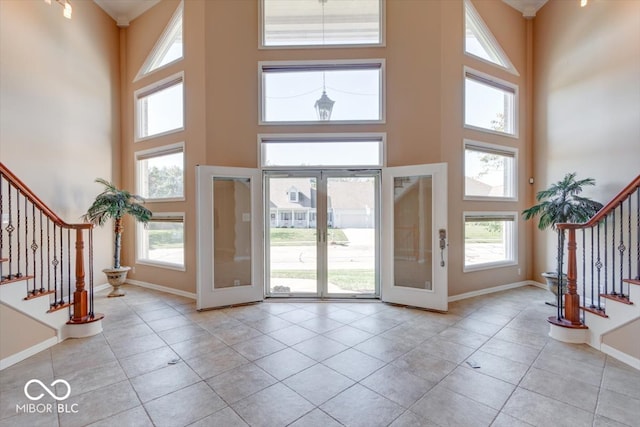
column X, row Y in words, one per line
column 514, row 242
column 170, row 148
column 320, row 137
column 472, row 142
column 383, row 31
column 488, row 37
column 149, row 90
column 498, row 82
column 140, row 241
column 161, row 45
column 328, row 64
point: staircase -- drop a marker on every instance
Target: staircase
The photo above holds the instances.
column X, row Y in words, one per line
column 601, row 306
column 42, row 272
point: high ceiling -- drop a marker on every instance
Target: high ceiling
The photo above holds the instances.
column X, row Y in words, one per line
column 125, row 11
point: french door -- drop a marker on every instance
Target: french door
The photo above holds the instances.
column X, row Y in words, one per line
column 322, row 233
column 414, row 267
column 229, row 236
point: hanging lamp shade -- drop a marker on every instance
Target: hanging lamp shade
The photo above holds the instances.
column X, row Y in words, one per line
column 324, row 106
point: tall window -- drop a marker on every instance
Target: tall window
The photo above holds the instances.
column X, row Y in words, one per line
column 321, row 22
column 168, row 48
column 161, row 242
column 489, row 240
column 479, row 40
column 489, row 171
column 490, row 104
column 322, row 92
column 159, row 108
column 160, row 173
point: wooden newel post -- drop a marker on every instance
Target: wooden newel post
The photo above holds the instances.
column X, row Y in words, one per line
column 571, row 298
column 80, row 306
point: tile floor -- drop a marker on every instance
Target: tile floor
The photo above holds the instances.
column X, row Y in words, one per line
column 161, row 363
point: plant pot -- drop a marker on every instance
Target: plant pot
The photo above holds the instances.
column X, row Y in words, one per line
column 116, row 278
column 552, row 285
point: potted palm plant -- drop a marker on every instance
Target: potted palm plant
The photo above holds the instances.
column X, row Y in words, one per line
column 561, row 203
column 114, row 203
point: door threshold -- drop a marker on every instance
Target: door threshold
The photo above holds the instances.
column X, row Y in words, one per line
column 286, row 299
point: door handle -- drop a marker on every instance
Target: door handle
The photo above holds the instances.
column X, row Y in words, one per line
column 443, row 244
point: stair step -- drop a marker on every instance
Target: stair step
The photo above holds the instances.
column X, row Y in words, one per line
column 15, row 279
column 37, row 295
column 59, row 307
column 622, row 299
column 632, row 281
column 595, row 311
column 4, row 259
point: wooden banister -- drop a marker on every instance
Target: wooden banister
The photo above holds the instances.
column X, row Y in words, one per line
column 26, row 192
column 606, row 209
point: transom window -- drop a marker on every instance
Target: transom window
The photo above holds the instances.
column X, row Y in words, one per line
column 159, row 108
column 321, row 22
column 490, row 104
column 319, row 150
column 321, row 92
column 160, row 173
column 161, row 241
column 489, row 171
column 168, row 48
column 489, row 240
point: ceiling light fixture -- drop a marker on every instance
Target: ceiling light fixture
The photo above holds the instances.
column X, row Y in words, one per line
column 583, row 3
column 324, row 105
column 67, row 10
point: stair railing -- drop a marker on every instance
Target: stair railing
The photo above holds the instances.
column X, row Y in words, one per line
column 603, row 257
column 39, row 248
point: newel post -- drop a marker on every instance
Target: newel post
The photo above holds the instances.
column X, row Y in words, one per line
column 80, row 306
column 571, row 298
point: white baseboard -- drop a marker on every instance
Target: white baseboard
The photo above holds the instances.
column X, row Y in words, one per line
column 162, row 288
column 623, row 357
column 494, row 289
column 20, row 356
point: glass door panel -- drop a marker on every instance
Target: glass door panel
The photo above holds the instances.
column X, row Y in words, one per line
column 412, row 231
column 232, row 232
column 292, row 238
column 351, row 235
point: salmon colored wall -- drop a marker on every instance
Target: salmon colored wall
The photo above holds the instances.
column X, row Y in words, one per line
column 587, row 98
column 59, row 106
column 424, row 82
column 31, row 333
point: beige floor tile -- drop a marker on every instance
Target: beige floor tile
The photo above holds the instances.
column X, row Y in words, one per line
column 618, row 407
column 529, row 339
column 354, row 364
column 567, row 390
column 398, row 385
column 512, row 351
column 211, row 364
column 100, row 404
column 163, row 381
column 126, row 347
column 274, row 406
column 409, row 334
column 235, row 334
column 223, row 418
column 318, row 383
column 375, row 325
column 316, row 418
column 184, row 406
column 39, row 366
column 297, row 315
column 321, row 324
column 539, row 410
column 504, row 420
column 31, row 420
column 92, row 378
column 285, row 363
column 348, row 335
column 277, row 307
column 183, row 333
column 447, row 408
column 600, row 421
column 162, row 313
column 482, row 388
column 496, row 367
column 425, row 365
column 136, row 417
column 240, row 382
column 345, row 316
column 198, row 347
column 569, row 369
column 148, row 361
column 410, row 419
column 464, row 337
column 383, row 349
column 621, row 378
column 360, row 407
column 128, row 331
column 446, row 350
column 292, row 335
column 319, row 348
column 260, row 346
column 269, row 324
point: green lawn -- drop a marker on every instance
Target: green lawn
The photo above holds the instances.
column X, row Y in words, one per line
column 303, row 236
column 482, row 232
column 348, row 280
